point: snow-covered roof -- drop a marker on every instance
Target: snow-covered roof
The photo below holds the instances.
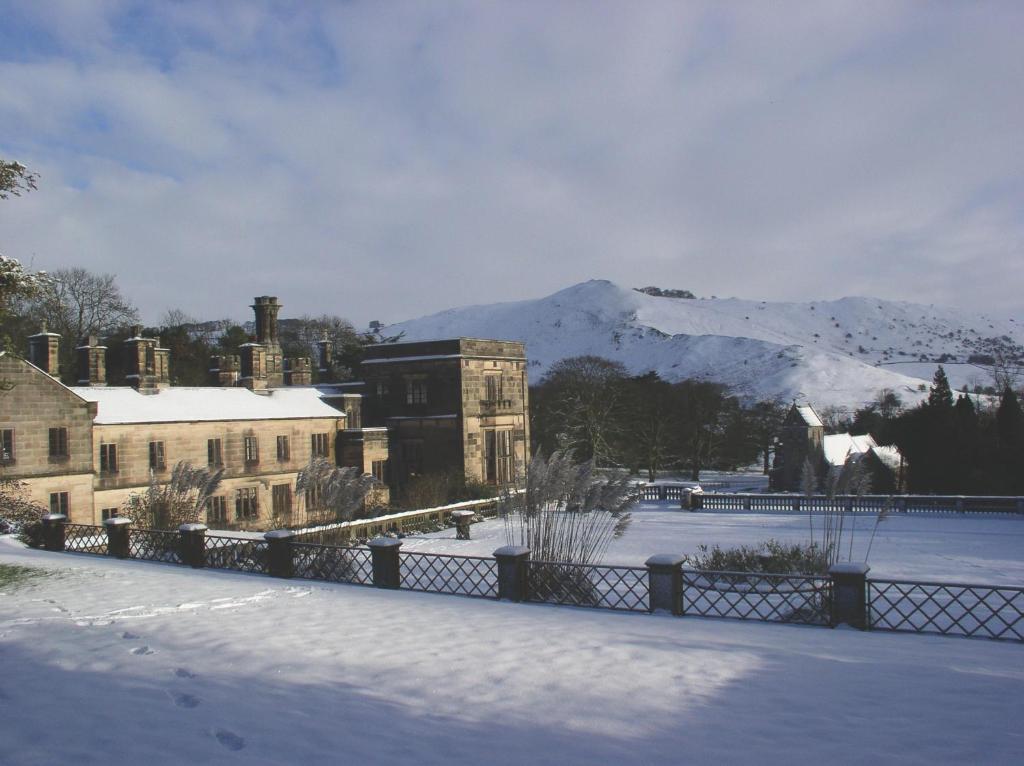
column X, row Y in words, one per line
column 807, row 412
column 840, row 446
column 118, row 405
column 889, row 455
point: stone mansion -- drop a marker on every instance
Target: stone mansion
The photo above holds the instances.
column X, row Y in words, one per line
column 456, row 405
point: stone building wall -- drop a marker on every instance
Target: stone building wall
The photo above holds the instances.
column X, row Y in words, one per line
column 189, row 441
column 31, row 403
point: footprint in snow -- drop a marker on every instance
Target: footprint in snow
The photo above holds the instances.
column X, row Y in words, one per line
column 186, row 700
column 184, row 673
column 139, row 650
column 229, row 739
column 129, row 636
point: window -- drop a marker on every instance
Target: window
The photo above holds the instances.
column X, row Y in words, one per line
column 314, row 499
column 284, row 448
column 156, row 456
column 217, row 509
column 282, row 498
column 492, row 388
column 380, row 470
column 109, row 513
column 214, row 453
column 416, row 392
column 382, row 390
column 498, row 456
column 59, row 502
column 321, row 447
column 58, row 443
column 246, row 504
column 108, row 458
column 251, row 449
column 412, row 457
column 6, row 446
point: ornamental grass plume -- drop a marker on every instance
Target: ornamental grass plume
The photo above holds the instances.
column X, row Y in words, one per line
column 564, row 512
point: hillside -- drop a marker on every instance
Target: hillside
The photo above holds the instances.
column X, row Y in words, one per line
column 831, row 352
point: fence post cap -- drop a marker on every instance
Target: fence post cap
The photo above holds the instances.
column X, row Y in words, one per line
column 512, row 552
column 278, row 534
column 117, row 521
column 383, row 542
column 195, row 527
column 665, row 560
column 55, row 517
column 849, row 568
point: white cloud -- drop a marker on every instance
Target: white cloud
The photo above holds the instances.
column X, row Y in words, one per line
column 383, row 161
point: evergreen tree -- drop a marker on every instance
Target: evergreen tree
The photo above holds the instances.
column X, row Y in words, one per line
column 941, row 396
column 1009, row 421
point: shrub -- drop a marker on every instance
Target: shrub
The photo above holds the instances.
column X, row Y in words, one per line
column 770, row 557
column 19, row 515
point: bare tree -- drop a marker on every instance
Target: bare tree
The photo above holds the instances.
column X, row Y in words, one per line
column 583, row 397
column 76, row 303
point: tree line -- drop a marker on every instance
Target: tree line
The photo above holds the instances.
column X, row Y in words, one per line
column 595, row 408
column 959, row 446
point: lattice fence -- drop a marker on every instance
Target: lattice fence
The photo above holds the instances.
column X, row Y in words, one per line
column 333, row 563
column 985, row 611
column 85, row 538
column 239, row 554
column 438, row 573
column 801, row 599
column 604, row 587
column 155, row 545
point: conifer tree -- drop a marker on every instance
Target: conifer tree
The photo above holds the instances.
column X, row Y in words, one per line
column 941, row 396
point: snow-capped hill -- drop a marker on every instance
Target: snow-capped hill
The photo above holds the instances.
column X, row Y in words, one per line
column 831, row 352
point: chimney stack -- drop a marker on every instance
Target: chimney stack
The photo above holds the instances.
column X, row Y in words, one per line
column 298, row 372
column 325, row 360
column 224, row 370
column 44, row 351
column 148, row 364
column 266, row 308
column 92, row 362
column 254, row 366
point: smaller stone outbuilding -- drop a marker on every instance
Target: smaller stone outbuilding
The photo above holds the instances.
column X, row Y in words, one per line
column 802, row 435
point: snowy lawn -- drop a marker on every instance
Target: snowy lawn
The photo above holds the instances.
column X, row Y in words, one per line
column 127, row 662
column 912, row 546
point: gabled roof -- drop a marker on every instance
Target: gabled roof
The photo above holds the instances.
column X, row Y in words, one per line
column 123, row 405
column 810, row 417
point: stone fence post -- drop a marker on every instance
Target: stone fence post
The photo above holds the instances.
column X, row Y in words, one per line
column 53, row 531
column 849, row 594
column 280, row 558
column 665, row 583
column 512, row 583
column 193, row 545
column 118, row 531
column 462, row 520
column 387, row 572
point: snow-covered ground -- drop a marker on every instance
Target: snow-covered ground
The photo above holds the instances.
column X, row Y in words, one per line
column 912, row 546
column 124, row 662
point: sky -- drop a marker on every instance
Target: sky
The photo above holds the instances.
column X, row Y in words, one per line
column 386, row 160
